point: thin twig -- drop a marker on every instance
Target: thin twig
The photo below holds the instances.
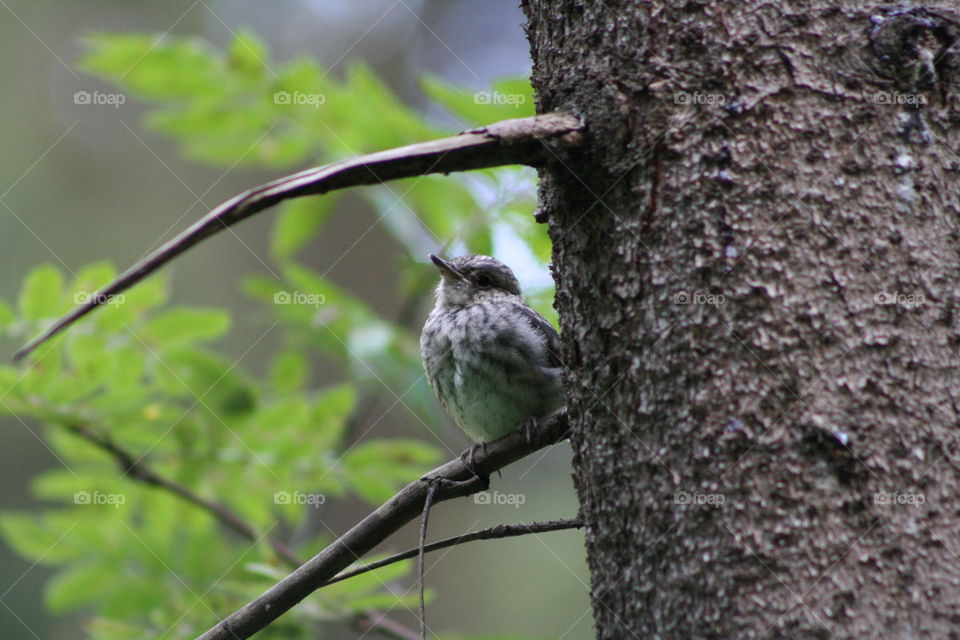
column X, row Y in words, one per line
column 516, row 141
column 500, row 531
column 377, row 527
column 427, row 503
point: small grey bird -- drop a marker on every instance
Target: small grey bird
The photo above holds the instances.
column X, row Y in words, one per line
column 492, row 361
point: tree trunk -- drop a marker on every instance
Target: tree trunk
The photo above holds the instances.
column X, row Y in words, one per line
column 757, row 267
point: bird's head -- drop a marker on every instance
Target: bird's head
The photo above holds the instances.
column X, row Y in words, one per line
column 469, row 278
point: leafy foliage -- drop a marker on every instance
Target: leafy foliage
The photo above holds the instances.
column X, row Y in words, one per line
column 144, row 377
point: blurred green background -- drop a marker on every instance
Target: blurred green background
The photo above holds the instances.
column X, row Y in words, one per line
column 80, row 183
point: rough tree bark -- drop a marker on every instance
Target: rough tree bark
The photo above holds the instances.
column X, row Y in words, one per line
column 757, row 275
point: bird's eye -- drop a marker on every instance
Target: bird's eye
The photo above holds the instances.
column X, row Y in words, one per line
column 483, row 280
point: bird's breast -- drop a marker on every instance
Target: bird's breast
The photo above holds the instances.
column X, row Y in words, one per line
column 487, row 366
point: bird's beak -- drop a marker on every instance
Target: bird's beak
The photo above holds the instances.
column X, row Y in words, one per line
column 446, row 269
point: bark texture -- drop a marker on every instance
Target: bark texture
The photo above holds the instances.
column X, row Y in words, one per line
column 757, row 273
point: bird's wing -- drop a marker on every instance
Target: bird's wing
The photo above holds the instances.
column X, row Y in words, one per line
column 540, row 324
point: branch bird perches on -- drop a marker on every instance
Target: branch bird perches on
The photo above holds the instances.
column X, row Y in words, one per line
column 516, row 141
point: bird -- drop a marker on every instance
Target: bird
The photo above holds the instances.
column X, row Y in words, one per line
column 492, row 361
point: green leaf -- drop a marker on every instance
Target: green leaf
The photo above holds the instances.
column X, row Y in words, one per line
column 331, row 409
column 41, row 294
column 39, row 538
column 87, row 352
column 209, row 380
column 270, row 572
column 107, row 629
column 187, row 325
column 7, row 316
column 288, row 371
column 44, row 372
column 148, row 294
column 248, row 55
column 446, row 206
column 299, row 221
column 127, row 366
column 384, row 601
column 506, row 98
column 140, row 594
column 282, row 416
column 155, row 66
column 79, row 585
column 372, row 580
column 9, row 379
column 370, row 116
column 378, row 469
column 335, row 404
column 92, row 277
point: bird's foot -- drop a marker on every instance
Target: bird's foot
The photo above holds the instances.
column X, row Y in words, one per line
column 532, row 431
column 469, row 458
column 463, row 487
column 453, row 488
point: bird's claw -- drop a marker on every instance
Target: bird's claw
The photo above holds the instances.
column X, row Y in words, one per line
column 532, row 431
column 465, row 487
column 469, row 458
